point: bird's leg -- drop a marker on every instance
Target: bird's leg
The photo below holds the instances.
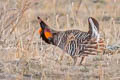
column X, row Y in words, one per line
column 80, row 60
column 77, row 62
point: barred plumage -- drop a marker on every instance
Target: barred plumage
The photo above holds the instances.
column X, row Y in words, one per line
column 74, row 42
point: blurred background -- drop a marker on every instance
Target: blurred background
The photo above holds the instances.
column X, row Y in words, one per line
column 24, row 56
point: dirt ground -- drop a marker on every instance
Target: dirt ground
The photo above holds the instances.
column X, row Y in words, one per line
column 24, row 56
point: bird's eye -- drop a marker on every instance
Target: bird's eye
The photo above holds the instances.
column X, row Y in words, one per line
column 40, row 30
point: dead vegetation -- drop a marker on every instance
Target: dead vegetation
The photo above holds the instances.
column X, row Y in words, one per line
column 23, row 56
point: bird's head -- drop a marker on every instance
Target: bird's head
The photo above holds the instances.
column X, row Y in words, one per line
column 44, row 31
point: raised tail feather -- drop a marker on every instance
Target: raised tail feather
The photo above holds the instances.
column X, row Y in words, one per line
column 94, row 28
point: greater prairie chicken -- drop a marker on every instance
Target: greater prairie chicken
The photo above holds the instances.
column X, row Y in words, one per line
column 74, row 42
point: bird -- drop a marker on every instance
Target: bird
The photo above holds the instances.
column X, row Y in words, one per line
column 75, row 42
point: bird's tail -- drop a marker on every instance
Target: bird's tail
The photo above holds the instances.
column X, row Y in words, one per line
column 96, row 44
column 94, row 28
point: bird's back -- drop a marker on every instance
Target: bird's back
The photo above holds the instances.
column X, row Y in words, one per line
column 71, row 41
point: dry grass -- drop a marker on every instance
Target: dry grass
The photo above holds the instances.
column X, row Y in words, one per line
column 23, row 56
